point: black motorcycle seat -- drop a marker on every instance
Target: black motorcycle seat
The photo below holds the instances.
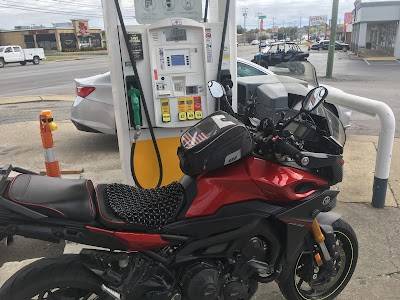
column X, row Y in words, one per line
column 129, row 208
column 70, row 199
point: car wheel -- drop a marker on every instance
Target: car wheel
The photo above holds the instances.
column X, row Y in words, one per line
column 2, row 63
column 36, row 60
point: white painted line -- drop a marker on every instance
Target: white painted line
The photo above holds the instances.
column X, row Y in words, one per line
column 366, row 61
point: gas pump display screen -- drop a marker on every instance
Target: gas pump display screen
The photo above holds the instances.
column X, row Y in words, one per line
column 175, row 35
column 177, row 60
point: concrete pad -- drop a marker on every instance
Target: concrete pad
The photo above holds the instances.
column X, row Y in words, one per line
column 359, row 168
column 9, row 269
column 97, row 154
column 28, row 99
column 394, row 179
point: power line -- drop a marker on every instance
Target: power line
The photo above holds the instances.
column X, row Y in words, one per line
column 55, row 2
column 77, row 3
column 17, row 6
column 49, row 11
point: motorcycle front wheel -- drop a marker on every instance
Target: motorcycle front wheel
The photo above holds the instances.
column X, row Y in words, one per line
column 295, row 283
column 59, row 278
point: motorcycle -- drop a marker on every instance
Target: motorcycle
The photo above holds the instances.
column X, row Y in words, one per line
column 254, row 206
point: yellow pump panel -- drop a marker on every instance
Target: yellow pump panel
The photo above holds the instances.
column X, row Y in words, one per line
column 146, row 165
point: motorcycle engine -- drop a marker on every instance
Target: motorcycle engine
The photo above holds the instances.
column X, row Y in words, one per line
column 202, row 281
column 207, row 281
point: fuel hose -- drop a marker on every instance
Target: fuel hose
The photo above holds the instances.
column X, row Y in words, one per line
column 145, row 108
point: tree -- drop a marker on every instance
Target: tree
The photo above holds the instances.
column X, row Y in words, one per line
column 240, row 29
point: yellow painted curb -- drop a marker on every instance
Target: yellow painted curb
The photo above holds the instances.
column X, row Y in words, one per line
column 381, row 58
column 27, row 99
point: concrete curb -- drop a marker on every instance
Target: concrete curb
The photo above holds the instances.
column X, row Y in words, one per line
column 380, row 58
column 28, row 99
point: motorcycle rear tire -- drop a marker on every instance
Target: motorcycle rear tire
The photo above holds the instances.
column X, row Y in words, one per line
column 287, row 283
column 65, row 272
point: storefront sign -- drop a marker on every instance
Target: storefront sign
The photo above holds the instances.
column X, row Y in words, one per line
column 348, row 19
column 81, row 27
column 318, row 20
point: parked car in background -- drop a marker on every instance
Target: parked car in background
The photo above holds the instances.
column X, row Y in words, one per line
column 263, row 43
column 15, row 54
column 324, row 45
column 255, row 42
column 341, row 46
column 320, row 45
column 93, row 109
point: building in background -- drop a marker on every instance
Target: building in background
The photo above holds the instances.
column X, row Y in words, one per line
column 70, row 36
column 376, row 28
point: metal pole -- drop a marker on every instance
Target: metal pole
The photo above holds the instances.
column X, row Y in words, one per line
column 386, row 137
column 331, row 55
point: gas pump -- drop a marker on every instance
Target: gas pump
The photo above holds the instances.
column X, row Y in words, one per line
column 159, row 71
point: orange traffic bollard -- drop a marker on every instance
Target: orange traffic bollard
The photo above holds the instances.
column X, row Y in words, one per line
column 47, row 126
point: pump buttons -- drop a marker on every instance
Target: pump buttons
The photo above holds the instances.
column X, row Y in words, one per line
column 165, row 110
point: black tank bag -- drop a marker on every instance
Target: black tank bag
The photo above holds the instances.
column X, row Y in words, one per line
column 216, row 141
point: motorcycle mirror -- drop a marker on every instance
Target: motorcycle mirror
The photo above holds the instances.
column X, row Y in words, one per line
column 314, row 98
column 216, row 89
column 255, row 122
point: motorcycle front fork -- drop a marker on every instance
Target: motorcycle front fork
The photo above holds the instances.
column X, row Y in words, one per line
column 320, row 240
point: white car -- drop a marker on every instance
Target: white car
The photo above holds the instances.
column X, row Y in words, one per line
column 255, row 42
column 93, row 109
column 15, row 54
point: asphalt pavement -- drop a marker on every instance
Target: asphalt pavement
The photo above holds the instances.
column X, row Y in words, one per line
column 376, row 80
column 49, row 78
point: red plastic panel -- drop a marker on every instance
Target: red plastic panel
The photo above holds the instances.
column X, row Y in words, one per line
column 249, row 179
column 134, row 241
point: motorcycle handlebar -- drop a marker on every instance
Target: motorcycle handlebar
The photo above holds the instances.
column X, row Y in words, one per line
column 287, row 149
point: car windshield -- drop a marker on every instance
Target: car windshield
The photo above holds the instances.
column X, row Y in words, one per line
column 245, row 70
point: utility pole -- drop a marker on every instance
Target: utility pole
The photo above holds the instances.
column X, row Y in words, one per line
column 245, row 10
column 299, row 35
column 331, row 54
column 245, row 13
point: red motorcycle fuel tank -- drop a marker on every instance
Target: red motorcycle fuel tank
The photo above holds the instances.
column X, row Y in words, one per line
column 251, row 179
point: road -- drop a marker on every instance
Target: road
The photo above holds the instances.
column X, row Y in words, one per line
column 49, row 78
column 377, row 80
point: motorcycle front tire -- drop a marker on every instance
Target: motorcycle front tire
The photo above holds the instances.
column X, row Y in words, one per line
column 287, row 282
column 63, row 276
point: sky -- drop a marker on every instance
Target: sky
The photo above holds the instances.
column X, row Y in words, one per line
column 281, row 12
